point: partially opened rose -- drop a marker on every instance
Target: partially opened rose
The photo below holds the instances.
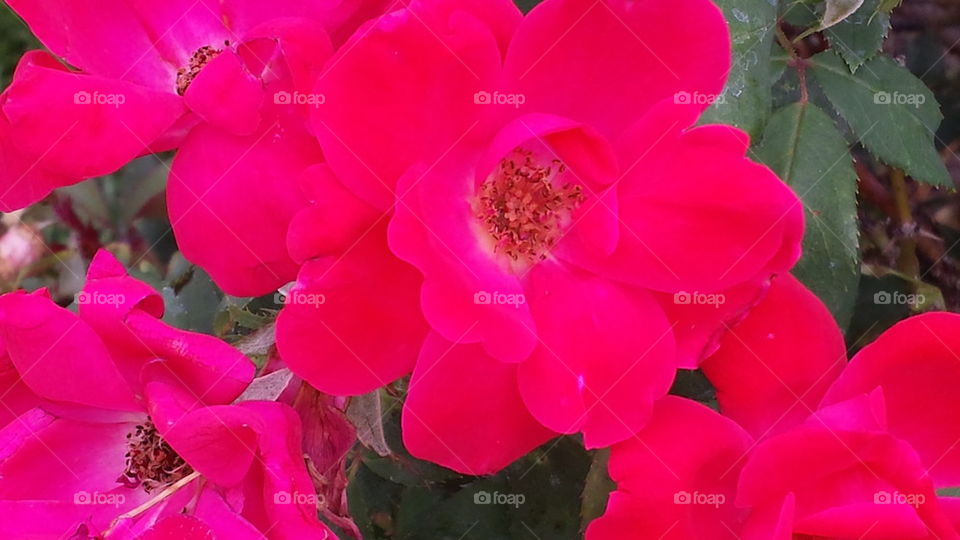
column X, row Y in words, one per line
column 116, row 424
column 842, row 450
column 866, row 462
column 842, row 474
column 692, row 473
column 677, row 477
column 551, row 195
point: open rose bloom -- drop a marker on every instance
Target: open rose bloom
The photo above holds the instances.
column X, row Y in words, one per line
column 526, row 231
column 116, row 424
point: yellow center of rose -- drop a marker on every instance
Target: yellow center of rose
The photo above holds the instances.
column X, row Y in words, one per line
column 200, row 58
column 150, row 461
column 525, row 206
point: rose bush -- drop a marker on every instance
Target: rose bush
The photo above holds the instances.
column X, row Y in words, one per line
column 477, row 269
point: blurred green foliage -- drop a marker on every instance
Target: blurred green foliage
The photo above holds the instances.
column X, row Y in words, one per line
column 538, row 497
column 15, row 38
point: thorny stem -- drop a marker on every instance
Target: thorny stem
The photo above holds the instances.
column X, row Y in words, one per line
column 785, row 42
column 907, row 261
column 796, row 61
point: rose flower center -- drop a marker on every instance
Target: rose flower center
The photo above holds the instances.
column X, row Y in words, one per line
column 200, row 58
column 525, row 206
column 150, row 461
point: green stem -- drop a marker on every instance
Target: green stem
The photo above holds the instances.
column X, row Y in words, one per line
column 795, row 61
column 907, row 261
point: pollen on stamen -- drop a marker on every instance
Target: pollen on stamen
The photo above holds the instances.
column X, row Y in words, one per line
column 525, row 205
column 150, row 461
column 200, row 58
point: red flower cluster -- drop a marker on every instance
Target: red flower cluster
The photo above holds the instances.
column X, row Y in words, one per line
column 116, row 424
column 519, row 212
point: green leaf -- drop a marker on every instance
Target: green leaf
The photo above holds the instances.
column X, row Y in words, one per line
column 834, row 12
column 838, row 10
column 803, row 146
column 140, row 182
column 888, row 5
column 17, row 39
column 860, row 36
column 394, row 469
column 949, row 492
column 886, row 297
column 257, row 344
column 745, row 101
column 799, row 13
column 892, row 112
column 371, row 501
column 400, row 497
column 596, row 489
column 89, row 204
column 693, row 384
column 365, row 412
column 194, row 306
column 526, row 5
